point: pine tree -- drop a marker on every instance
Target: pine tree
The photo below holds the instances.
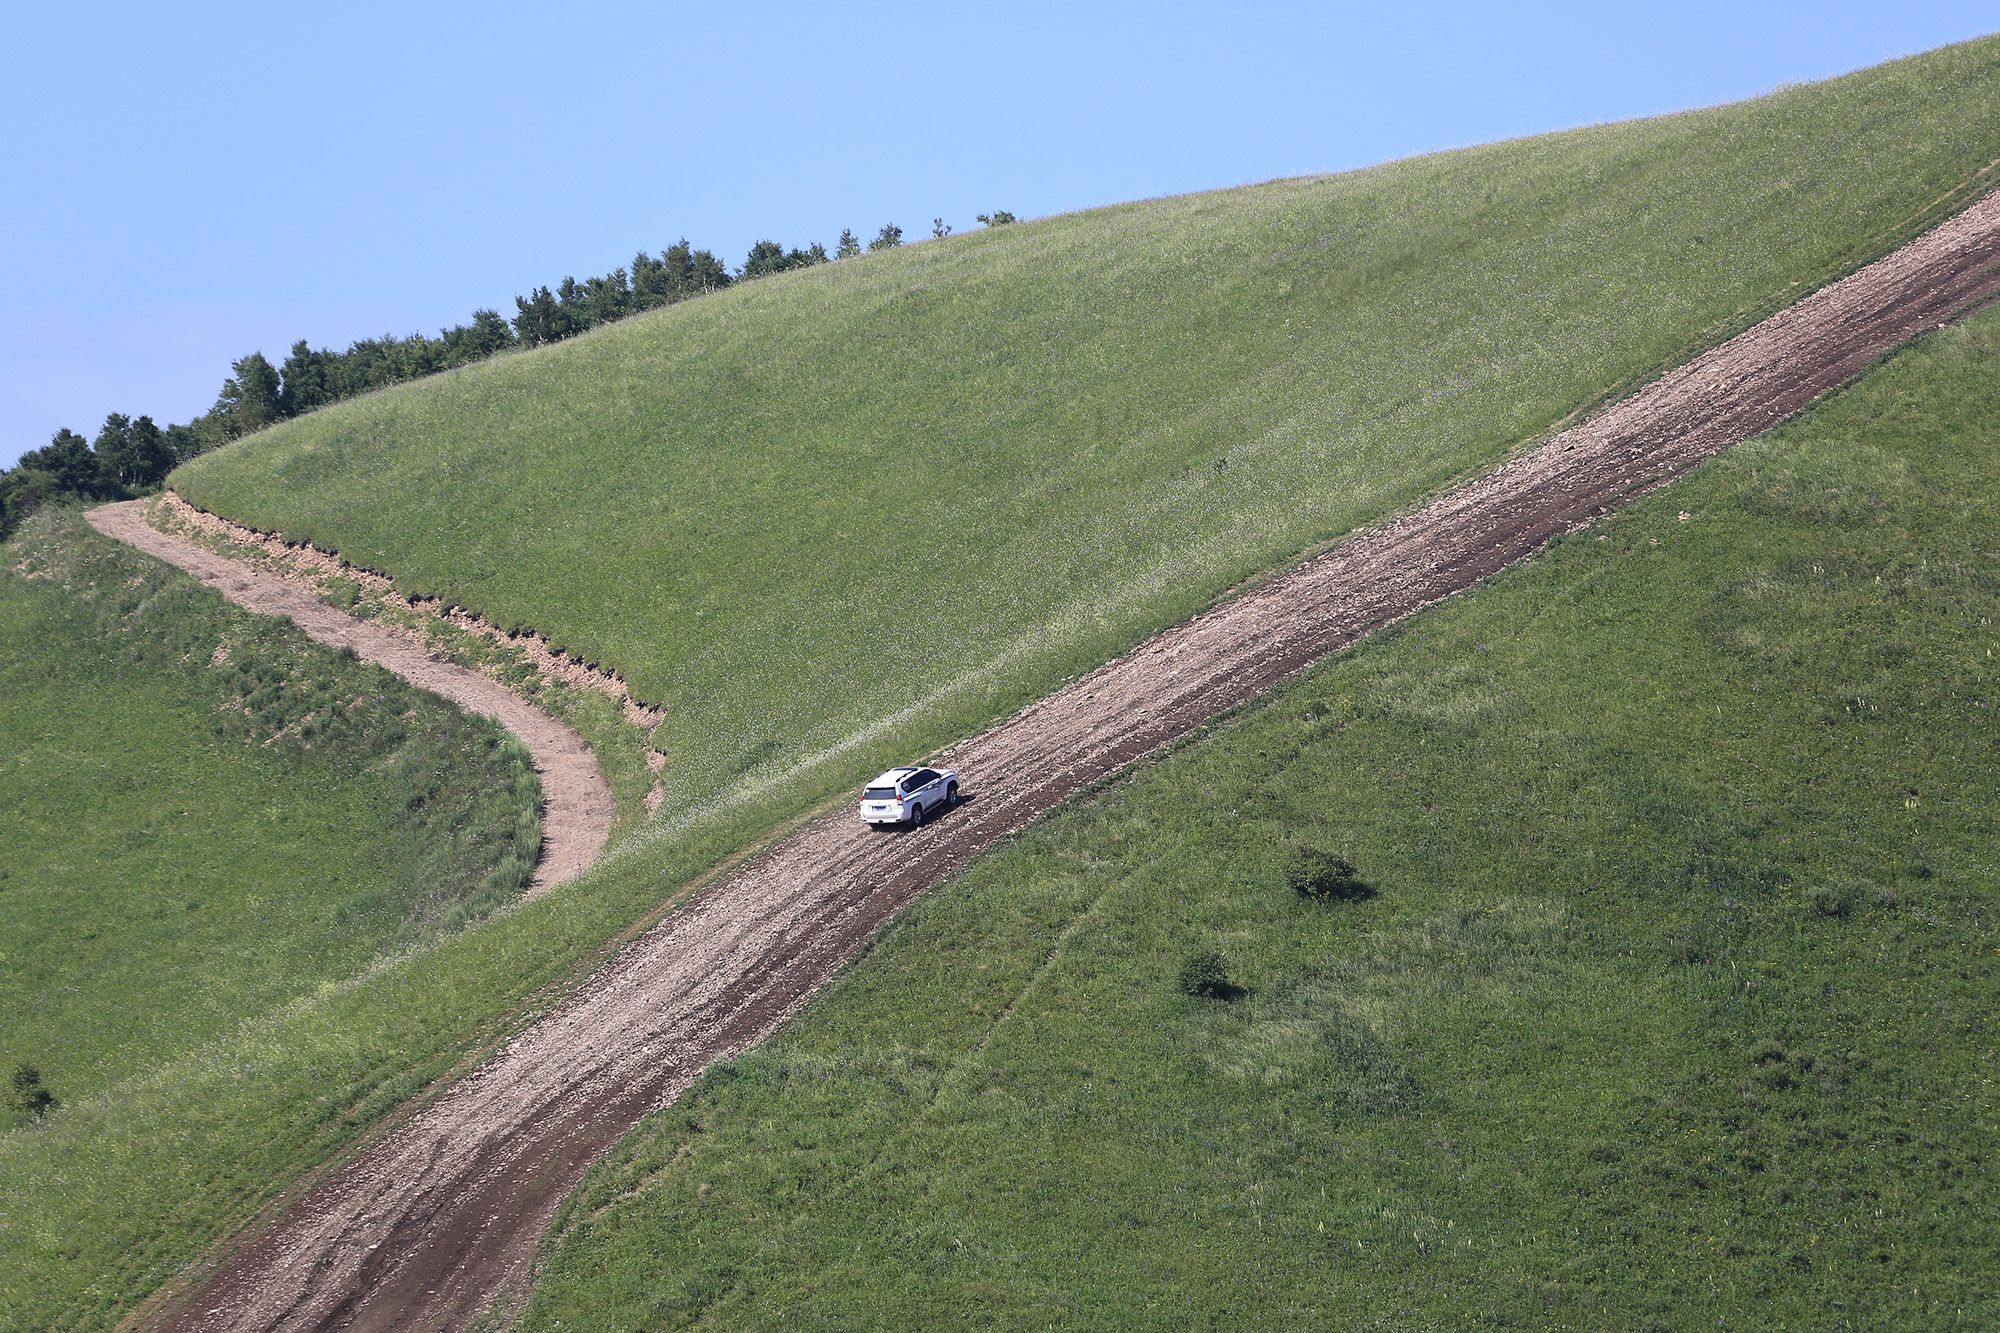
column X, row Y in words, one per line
column 848, row 246
column 651, row 284
column 888, row 238
column 764, row 257
column 541, row 320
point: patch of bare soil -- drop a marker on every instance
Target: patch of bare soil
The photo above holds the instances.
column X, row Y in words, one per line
column 576, row 800
column 426, row 1226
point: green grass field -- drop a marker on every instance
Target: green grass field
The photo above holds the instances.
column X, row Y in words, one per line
column 208, row 817
column 871, row 505
column 1127, row 411
column 1673, row 1005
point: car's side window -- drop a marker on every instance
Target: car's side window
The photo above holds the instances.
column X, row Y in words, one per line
column 923, row 779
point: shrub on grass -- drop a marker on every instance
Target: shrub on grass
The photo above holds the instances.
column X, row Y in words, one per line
column 27, row 1095
column 1829, row 902
column 1205, row 976
column 1325, row 878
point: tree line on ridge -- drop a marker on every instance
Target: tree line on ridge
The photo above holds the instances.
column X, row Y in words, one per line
column 132, row 455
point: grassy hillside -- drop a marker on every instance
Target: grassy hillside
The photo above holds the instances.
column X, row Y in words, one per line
column 1672, row 1005
column 1122, row 422
column 207, row 817
column 903, row 493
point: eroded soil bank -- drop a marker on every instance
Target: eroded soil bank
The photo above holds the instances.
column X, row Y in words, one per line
column 577, row 807
column 430, row 1223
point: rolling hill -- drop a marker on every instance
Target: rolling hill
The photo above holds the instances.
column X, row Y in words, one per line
column 1668, row 1002
column 870, row 506
column 835, row 517
column 209, row 820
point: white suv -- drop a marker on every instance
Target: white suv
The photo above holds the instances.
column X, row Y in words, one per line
column 909, row 796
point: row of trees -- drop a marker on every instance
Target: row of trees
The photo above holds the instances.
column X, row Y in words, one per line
column 131, row 455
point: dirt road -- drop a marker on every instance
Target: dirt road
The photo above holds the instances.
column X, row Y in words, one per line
column 576, row 800
column 428, row 1224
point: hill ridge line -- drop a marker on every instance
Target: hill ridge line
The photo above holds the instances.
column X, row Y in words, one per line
column 436, row 1219
column 576, row 800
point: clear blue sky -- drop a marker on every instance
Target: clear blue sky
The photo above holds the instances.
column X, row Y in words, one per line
column 184, row 184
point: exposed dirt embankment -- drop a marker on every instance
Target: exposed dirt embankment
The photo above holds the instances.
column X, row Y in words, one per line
column 547, row 659
column 576, row 816
column 427, row 1225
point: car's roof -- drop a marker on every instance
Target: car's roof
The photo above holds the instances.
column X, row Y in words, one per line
column 891, row 778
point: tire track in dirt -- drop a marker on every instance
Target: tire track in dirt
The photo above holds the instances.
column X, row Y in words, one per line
column 427, row 1226
column 576, row 800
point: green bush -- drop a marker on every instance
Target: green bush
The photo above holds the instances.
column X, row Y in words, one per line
column 1324, row 877
column 28, row 1096
column 1205, row 976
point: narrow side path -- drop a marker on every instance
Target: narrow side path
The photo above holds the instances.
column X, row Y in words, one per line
column 429, row 1224
column 576, row 800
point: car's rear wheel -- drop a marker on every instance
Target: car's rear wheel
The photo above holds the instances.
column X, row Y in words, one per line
column 916, row 816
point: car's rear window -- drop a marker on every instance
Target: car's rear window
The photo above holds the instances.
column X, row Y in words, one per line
column 879, row 794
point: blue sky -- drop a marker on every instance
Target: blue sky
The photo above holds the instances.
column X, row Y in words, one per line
column 186, row 184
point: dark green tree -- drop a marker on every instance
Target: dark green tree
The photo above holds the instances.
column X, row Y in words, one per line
column 134, row 452
column 999, row 217
column 706, row 273
column 848, row 246
column 488, row 333
column 23, row 490
column 183, row 443
column 607, row 298
column 764, row 257
column 68, row 458
column 888, row 238
column 939, row 229
column 114, row 437
column 569, row 297
column 652, row 285
column 304, row 382
column 249, row 398
column 541, row 320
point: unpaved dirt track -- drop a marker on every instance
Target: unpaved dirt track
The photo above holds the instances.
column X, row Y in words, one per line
column 576, row 800
column 427, row 1225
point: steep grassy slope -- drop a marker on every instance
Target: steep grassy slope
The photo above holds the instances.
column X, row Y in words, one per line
column 950, row 475
column 206, row 818
column 1673, row 1002
column 104, row 1204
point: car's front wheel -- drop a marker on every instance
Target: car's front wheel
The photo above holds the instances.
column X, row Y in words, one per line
column 950, row 795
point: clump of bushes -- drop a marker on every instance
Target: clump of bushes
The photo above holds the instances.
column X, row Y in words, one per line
column 1323, row 877
column 27, row 1095
column 1829, row 902
column 1205, row 976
